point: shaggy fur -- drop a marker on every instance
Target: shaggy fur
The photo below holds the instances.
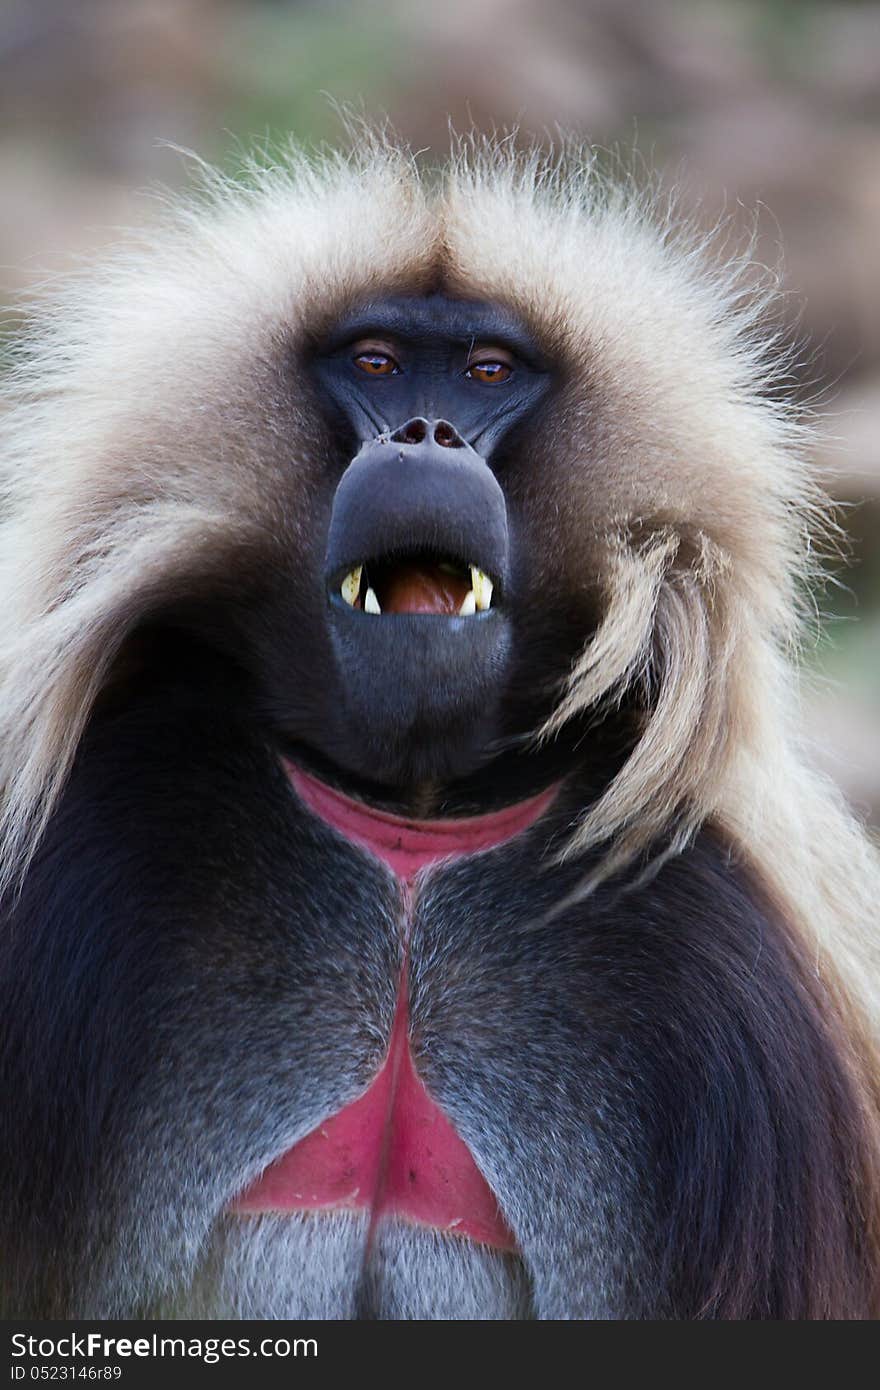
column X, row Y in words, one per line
column 130, row 468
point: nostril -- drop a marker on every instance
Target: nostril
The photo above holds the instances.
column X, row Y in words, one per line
column 413, row 432
column 447, row 436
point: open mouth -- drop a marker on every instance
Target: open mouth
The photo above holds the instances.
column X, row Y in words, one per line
column 420, row 583
column 417, row 585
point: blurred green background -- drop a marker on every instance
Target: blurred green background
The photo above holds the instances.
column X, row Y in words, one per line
column 773, row 106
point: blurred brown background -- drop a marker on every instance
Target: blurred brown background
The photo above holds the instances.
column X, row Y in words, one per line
column 772, row 105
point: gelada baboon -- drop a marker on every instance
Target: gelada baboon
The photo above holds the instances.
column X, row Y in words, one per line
column 417, row 904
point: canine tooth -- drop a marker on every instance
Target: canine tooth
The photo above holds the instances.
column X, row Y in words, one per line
column 371, row 603
column 469, row 605
column 351, row 585
column 481, row 585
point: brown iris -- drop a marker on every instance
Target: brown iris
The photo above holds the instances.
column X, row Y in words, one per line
column 376, row 361
column 490, row 368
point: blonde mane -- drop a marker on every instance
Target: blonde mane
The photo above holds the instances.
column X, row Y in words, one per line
column 128, row 472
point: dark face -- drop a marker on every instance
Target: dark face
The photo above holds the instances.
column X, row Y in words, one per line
column 425, row 398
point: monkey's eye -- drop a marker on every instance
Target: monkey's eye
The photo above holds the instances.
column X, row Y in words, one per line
column 491, row 368
column 375, row 360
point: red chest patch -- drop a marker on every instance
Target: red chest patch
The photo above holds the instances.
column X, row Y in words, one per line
column 392, row 1151
column 409, row 845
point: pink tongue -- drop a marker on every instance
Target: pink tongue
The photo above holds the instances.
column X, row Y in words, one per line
column 422, row 589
